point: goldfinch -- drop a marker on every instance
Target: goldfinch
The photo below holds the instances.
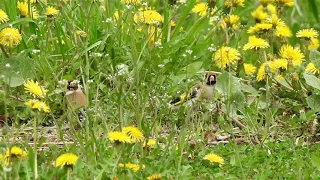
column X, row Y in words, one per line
column 76, row 99
column 203, row 90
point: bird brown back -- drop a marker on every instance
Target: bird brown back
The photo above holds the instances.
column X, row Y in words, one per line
column 76, row 99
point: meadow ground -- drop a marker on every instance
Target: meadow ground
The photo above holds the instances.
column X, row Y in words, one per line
column 131, row 57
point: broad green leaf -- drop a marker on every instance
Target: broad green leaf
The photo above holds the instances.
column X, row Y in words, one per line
column 193, row 68
column 227, row 83
column 13, row 80
column 314, row 57
column 313, row 102
column 315, row 160
column 311, row 80
column 249, row 89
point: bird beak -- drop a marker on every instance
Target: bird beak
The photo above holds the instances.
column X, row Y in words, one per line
column 212, row 78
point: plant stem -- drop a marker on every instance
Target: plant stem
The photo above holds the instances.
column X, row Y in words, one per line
column 35, row 170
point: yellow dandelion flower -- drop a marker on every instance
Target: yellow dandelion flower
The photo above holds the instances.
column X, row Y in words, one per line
column 226, row 56
column 51, row 11
column 24, row 10
column 131, row 2
column 285, row 2
column 41, row 106
column 119, row 137
column 3, row 17
column 151, row 142
column 314, row 44
column 214, row 158
column 260, row 28
column 148, row 17
column 31, row 1
column 154, row 177
column 249, row 69
column 269, row 66
column 272, row 9
column 307, row 33
column 283, row 31
column 200, row 9
column 134, row 167
column 34, row 89
column 134, row 133
column 259, row 15
column 275, row 20
column 30, row 102
column 255, row 43
column 67, row 159
column 280, row 63
column 10, row 37
column 15, row 152
column 81, row 34
column 233, row 3
column 293, row 55
column 230, row 21
column 312, row 69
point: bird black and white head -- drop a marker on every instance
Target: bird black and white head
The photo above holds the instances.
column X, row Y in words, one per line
column 73, row 85
column 210, row 78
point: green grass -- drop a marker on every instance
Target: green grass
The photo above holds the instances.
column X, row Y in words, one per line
column 274, row 145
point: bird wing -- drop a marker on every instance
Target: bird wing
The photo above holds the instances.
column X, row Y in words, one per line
column 186, row 96
column 76, row 99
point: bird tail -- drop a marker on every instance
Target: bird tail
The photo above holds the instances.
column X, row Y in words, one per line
column 82, row 115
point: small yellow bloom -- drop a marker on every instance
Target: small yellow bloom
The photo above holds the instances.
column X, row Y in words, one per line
column 260, row 28
column 314, row 44
column 134, row 167
column 293, row 55
column 3, row 17
column 200, row 9
column 41, row 106
column 81, row 34
column 230, row 21
column 131, row 2
column 151, row 142
column 10, row 37
column 214, row 158
column 119, row 137
column 31, row 102
column 307, row 33
column 134, row 133
column 272, row 9
column 24, row 10
column 148, row 17
column 249, row 69
column 67, row 159
column 15, row 152
column 275, row 20
column 34, row 89
column 226, row 56
column 269, row 66
column 233, row 3
column 154, row 177
column 280, row 63
column 255, row 43
column 285, row 2
column 312, row 69
column 259, row 15
column 283, row 31
column 51, row 11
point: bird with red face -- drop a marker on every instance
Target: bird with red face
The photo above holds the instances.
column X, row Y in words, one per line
column 76, row 99
column 200, row 91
